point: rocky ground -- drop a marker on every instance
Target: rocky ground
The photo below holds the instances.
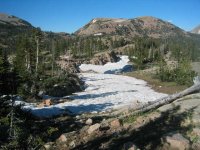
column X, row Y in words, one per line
column 173, row 126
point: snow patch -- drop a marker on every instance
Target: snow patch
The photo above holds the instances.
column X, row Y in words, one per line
column 119, row 20
column 98, row 34
column 104, row 92
column 117, row 67
column 94, row 20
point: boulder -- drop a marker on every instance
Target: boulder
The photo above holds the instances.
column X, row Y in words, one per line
column 175, row 141
column 93, row 128
column 72, row 144
column 41, row 93
column 89, row 121
column 48, row 145
column 62, row 138
column 115, row 123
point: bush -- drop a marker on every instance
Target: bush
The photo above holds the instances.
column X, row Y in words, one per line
column 61, row 85
column 182, row 74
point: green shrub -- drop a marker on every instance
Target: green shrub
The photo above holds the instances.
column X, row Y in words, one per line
column 182, row 74
column 61, row 85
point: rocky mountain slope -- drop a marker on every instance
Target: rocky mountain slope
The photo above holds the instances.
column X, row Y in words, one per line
column 10, row 28
column 12, row 20
column 196, row 30
column 141, row 26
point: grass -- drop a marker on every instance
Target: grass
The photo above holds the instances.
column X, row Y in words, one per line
column 156, row 84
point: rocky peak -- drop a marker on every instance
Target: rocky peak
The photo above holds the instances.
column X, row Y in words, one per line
column 12, row 20
column 196, row 30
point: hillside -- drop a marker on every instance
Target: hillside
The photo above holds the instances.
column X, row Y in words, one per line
column 141, row 26
column 196, row 30
column 12, row 20
column 10, row 28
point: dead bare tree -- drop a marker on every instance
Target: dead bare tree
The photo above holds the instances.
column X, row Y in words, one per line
column 168, row 99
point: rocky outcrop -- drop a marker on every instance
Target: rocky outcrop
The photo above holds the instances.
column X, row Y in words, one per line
column 175, row 141
column 103, row 58
column 93, row 128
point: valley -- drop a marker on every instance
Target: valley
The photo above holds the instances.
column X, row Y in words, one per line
column 81, row 90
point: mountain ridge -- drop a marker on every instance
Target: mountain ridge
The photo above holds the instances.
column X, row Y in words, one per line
column 140, row 26
column 7, row 19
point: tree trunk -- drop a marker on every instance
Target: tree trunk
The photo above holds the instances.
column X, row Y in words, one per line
column 37, row 55
column 168, row 99
column 53, row 57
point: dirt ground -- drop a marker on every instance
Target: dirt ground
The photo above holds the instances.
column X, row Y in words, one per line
column 157, row 85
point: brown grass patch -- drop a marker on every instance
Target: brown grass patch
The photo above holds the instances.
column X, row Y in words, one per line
column 156, row 84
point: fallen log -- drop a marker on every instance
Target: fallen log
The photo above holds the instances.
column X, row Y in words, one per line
column 168, row 99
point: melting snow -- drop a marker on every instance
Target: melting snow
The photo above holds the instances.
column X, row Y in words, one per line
column 104, row 92
column 119, row 66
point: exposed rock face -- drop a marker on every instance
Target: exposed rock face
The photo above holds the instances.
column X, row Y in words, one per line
column 175, row 141
column 103, row 58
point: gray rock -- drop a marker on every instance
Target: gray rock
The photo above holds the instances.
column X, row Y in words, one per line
column 93, row 128
column 187, row 103
column 72, row 144
column 175, row 141
column 62, row 138
column 41, row 93
column 48, row 145
column 115, row 123
column 89, row 121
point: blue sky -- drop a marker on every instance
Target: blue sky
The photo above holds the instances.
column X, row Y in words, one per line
column 70, row 15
